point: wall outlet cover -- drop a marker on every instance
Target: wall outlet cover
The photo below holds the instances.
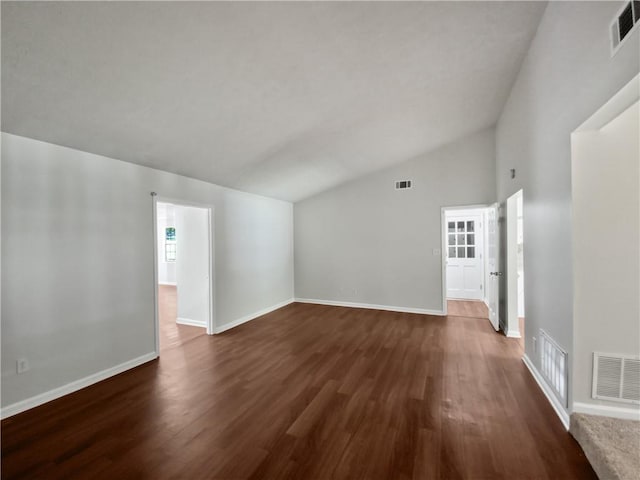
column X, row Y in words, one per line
column 22, row 365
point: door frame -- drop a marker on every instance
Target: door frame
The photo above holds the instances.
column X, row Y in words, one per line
column 211, row 321
column 443, row 247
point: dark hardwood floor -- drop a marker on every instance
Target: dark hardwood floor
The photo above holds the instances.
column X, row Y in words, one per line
column 308, row 392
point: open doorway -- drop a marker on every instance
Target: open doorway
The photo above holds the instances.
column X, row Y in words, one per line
column 183, row 273
column 465, row 271
column 515, row 267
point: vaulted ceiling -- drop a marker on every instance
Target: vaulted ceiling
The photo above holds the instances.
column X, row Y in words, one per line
column 281, row 99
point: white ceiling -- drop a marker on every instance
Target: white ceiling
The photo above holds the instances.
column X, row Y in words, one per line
column 280, row 99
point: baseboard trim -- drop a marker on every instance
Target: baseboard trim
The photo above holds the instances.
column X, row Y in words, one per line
column 171, row 284
column 191, row 322
column 370, row 306
column 252, row 316
column 513, row 334
column 74, row 386
column 607, row 411
column 555, row 403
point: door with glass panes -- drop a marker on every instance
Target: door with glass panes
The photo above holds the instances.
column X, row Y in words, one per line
column 465, row 265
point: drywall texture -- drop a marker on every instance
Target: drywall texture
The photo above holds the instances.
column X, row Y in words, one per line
column 284, row 99
column 366, row 242
column 567, row 75
column 77, row 260
column 192, row 269
column 606, row 230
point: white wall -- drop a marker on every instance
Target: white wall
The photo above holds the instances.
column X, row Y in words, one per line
column 166, row 218
column 510, row 267
column 520, row 247
column 77, row 260
column 192, row 267
column 567, row 75
column 366, row 242
column 606, row 232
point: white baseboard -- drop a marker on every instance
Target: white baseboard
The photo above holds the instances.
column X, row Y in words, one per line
column 625, row 413
column 513, row 334
column 171, row 284
column 191, row 323
column 555, row 403
column 74, row 386
column 371, row 306
column 253, row 316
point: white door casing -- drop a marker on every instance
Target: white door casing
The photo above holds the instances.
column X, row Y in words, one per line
column 464, row 255
column 210, row 276
column 493, row 262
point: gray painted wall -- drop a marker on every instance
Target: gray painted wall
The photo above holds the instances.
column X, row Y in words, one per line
column 77, row 260
column 365, row 242
column 567, row 75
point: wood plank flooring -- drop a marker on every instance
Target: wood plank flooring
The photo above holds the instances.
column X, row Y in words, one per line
column 467, row 308
column 171, row 334
column 308, row 392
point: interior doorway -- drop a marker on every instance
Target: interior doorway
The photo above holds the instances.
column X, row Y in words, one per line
column 464, row 260
column 183, row 272
column 515, row 267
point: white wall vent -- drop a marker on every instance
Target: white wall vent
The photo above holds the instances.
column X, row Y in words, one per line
column 625, row 21
column 403, row 184
column 616, row 377
column 554, row 366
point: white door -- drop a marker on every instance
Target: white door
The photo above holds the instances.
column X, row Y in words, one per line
column 493, row 263
column 465, row 265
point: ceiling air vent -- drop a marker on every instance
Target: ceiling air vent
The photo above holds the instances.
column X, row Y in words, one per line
column 403, row 184
column 616, row 377
column 626, row 20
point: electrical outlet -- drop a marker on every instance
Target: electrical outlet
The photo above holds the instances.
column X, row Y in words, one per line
column 436, row 252
column 22, row 365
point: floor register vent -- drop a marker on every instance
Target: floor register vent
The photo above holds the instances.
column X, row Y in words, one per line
column 616, row 377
